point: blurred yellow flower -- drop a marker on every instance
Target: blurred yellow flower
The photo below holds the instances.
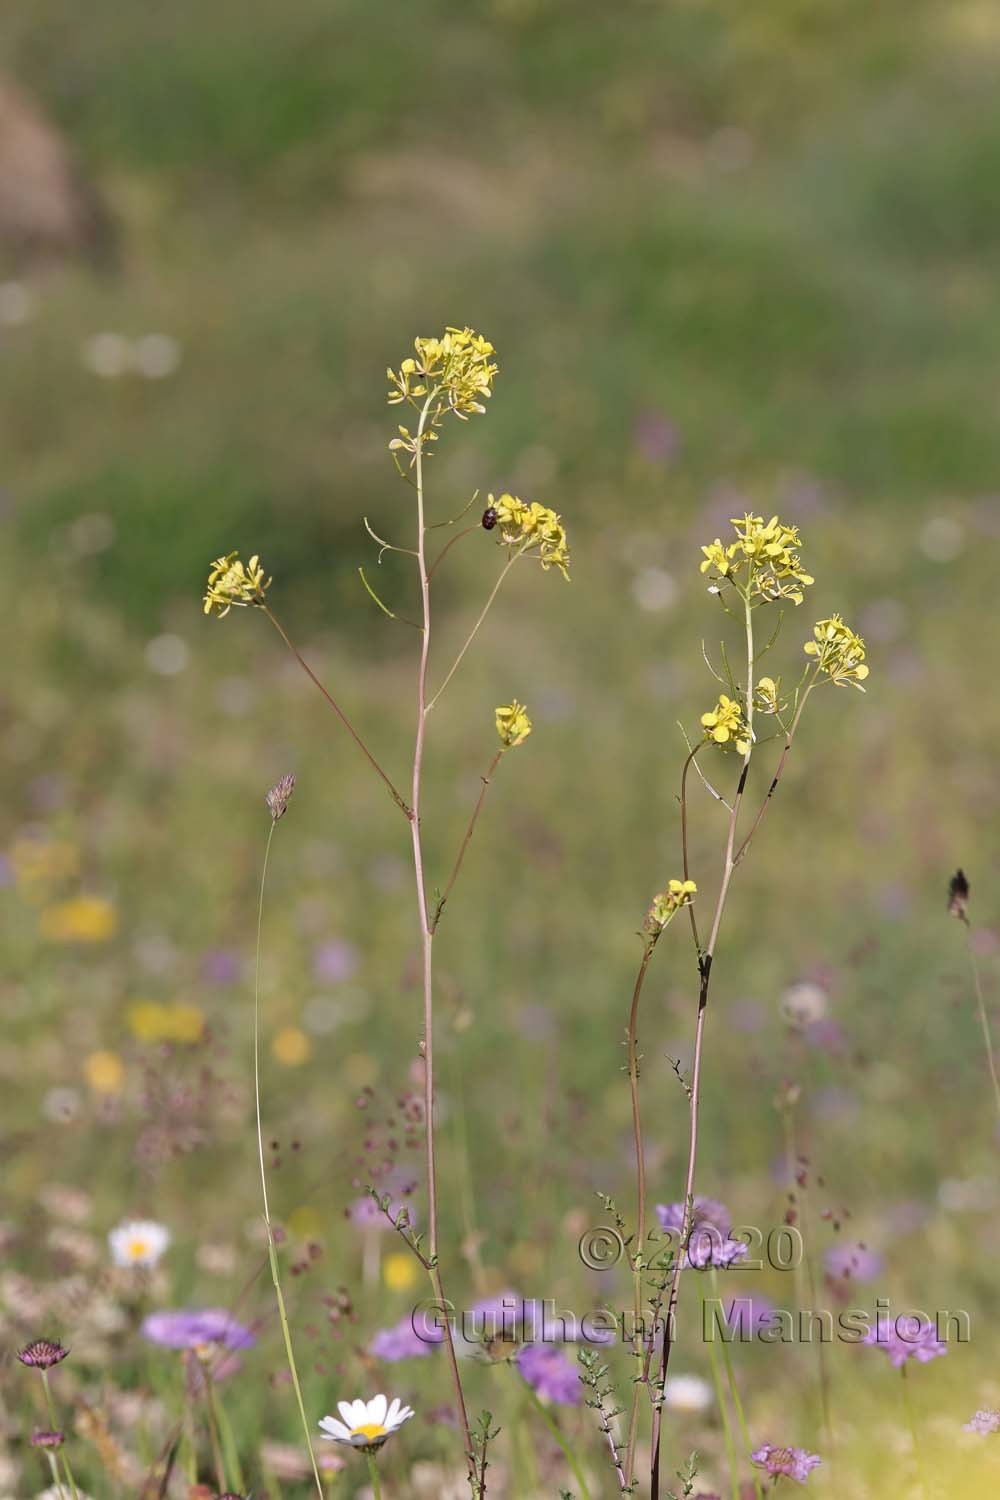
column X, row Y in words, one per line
column 839, row 652
column 533, row 529
column 458, row 365
column 513, row 724
column 399, row 1271
column 105, row 1072
column 151, row 1021
column 86, row 919
column 291, row 1046
column 184, row 1023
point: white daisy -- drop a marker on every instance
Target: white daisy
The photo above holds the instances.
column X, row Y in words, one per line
column 366, row 1424
column 138, row 1242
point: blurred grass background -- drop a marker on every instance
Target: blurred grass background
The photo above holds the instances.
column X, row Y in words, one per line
column 731, row 257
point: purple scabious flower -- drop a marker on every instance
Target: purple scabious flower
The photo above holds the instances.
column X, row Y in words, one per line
column 221, row 966
column 365, row 1213
column 853, row 1262
column 983, row 1422
column 550, row 1373
column 193, row 1327
column 709, row 1242
column 909, row 1337
column 785, row 1463
column 747, row 1316
column 414, row 1337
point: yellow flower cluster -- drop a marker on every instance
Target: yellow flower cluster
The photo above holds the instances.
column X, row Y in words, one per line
column 768, row 551
column 85, row 919
column 725, row 724
column 150, row 1021
column 458, row 366
column 513, row 724
column 230, row 582
column 839, row 652
column 677, row 894
column 532, row 528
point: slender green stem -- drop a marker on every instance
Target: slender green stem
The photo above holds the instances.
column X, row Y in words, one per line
column 475, row 630
column 213, row 1432
column 735, row 1393
column 271, row 1253
column 63, row 1456
column 230, row 1451
column 373, row 1471
column 57, row 1483
column 632, row 1056
column 553, row 1426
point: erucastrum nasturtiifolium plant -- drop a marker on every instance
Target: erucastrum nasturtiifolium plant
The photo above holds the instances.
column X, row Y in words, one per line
column 445, row 379
column 754, row 577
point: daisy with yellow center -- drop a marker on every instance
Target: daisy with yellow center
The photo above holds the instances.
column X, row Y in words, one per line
column 366, row 1424
column 138, row 1242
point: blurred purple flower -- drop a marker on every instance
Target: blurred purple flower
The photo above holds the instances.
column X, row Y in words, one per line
column 984, row 1422
column 854, row 1262
column 221, row 966
column 748, row 1316
column 191, row 1327
column 908, row 1337
column 656, row 437
column 365, row 1213
column 708, row 1243
column 335, row 961
column 406, row 1341
column 550, row 1373
column 785, row 1463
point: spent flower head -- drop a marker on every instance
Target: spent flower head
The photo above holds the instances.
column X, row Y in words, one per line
column 42, row 1354
column 233, row 582
column 839, row 652
column 725, row 724
column 280, row 795
column 767, row 696
column 531, row 528
column 513, row 724
column 457, row 367
column 958, row 896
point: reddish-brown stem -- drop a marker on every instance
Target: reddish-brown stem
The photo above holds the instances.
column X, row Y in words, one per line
column 466, row 841
column 337, row 710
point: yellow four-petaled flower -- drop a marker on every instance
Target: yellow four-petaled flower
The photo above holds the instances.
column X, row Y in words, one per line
column 725, row 724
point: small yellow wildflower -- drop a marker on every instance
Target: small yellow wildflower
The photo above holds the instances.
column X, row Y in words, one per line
column 230, row 582
column 184, row 1023
column 305, row 1222
column 105, row 1072
column 767, row 551
column 292, row 1047
column 532, row 528
column 725, row 724
column 399, row 1271
column 87, row 919
column 839, row 652
column 37, row 861
column 458, row 367
column 513, row 724
column 665, row 906
column 151, row 1021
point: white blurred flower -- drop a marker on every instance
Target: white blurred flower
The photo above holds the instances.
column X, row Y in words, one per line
column 106, row 355
column 61, row 1105
column 654, row 589
column 167, row 655
column 17, row 303
column 156, row 355
column 687, row 1393
column 942, row 538
column 804, row 1003
column 138, row 1242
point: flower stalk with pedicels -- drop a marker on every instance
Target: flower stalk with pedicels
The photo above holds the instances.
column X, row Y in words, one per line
column 447, row 376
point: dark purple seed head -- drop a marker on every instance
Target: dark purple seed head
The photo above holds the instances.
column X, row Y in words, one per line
column 42, row 1354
